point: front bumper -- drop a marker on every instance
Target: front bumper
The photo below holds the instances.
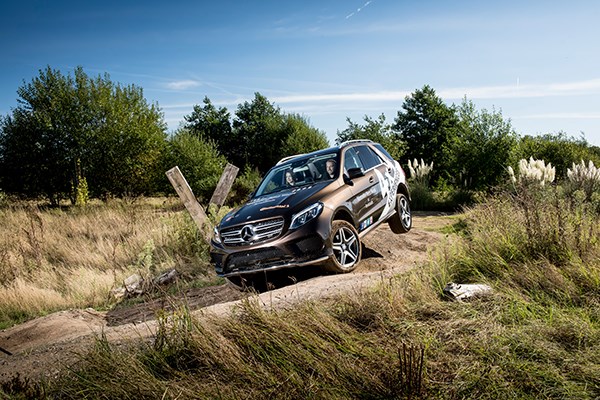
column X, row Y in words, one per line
column 304, row 246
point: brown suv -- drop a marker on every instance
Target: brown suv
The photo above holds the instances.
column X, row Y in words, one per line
column 313, row 209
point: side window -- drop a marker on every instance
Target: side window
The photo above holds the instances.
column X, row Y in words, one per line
column 351, row 160
column 384, row 151
column 368, row 157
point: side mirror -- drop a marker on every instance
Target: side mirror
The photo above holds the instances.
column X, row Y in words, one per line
column 355, row 173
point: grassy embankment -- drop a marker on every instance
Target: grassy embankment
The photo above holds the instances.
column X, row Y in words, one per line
column 55, row 259
column 537, row 336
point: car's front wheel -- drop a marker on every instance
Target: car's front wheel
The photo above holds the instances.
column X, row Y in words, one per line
column 346, row 247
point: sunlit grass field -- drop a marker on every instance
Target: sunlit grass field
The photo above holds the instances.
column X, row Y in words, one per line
column 71, row 257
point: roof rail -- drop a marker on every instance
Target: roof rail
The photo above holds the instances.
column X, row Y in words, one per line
column 284, row 159
column 346, row 143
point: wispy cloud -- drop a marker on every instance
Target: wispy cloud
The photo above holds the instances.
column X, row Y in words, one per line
column 359, row 9
column 475, row 92
column 576, row 88
column 561, row 116
column 183, row 85
column 341, row 97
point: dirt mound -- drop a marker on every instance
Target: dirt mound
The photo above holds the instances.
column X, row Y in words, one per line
column 42, row 346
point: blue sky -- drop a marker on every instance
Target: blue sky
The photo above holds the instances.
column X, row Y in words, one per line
column 537, row 61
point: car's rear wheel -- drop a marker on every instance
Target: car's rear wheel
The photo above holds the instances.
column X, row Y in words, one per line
column 401, row 221
column 346, row 247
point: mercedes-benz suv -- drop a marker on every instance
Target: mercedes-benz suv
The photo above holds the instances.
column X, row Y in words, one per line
column 313, row 209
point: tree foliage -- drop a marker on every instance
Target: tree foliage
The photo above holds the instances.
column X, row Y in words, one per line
column 259, row 135
column 199, row 161
column 559, row 149
column 426, row 125
column 376, row 130
column 68, row 127
column 301, row 137
column 211, row 123
column 483, row 145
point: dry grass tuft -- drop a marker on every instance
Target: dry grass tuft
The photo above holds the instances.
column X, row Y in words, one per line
column 52, row 259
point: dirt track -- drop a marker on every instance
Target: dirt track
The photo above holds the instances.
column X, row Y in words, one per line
column 43, row 346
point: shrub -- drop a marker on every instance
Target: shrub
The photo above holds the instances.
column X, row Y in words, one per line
column 420, row 172
column 584, row 178
column 533, row 171
column 244, row 185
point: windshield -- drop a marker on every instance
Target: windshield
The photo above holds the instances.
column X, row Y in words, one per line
column 299, row 172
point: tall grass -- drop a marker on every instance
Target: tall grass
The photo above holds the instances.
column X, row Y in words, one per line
column 52, row 259
column 536, row 336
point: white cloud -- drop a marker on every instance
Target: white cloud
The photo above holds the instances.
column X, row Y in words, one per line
column 342, row 97
column 576, row 88
column 561, row 116
column 183, row 85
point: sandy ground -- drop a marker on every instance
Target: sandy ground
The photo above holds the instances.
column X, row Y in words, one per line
column 42, row 347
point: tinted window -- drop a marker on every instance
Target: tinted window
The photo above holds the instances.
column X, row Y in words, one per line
column 301, row 171
column 351, row 160
column 384, row 151
column 368, row 157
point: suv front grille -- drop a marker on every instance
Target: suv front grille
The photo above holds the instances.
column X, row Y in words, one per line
column 251, row 233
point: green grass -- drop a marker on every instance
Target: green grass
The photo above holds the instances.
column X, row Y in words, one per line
column 536, row 336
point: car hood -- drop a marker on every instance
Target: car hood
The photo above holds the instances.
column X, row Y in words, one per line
column 283, row 203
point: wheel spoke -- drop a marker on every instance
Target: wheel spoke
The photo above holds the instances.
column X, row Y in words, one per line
column 345, row 247
column 345, row 234
column 343, row 258
column 351, row 255
column 351, row 241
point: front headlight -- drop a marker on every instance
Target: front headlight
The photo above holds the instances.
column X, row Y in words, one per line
column 306, row 215
column 216, row 236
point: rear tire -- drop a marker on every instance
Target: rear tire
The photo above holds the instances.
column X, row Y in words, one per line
column 347, row 250
column 401, row 221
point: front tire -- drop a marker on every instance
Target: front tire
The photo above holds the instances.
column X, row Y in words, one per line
column 401, row 221
column 345, row 243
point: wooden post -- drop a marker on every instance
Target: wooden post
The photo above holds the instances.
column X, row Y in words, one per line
column 189, row 200
column 224, row 185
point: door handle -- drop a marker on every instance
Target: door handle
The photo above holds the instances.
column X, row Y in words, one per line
column 371, row 179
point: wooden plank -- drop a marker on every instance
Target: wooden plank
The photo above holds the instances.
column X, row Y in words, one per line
column 189, row 201
column 224, row 185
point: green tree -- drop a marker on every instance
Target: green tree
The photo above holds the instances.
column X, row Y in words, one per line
column 38, row 144
column 300, row 136
column 484, row 145
column 199, row 161
column 258, row 134
column 127, row 142
column 376, row 130
column 426, row 124
column 211, row 123
column 68, row 128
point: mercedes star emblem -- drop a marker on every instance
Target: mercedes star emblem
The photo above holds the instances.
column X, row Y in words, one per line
column 248, row 233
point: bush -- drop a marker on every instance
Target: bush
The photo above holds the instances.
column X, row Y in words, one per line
column 243, row 186
column 199, row 162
